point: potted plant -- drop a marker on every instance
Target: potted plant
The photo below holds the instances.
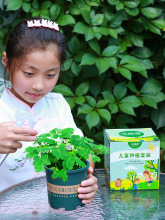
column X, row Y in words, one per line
column 64, row 157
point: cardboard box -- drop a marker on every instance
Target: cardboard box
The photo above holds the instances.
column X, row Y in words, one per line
column 134, row 159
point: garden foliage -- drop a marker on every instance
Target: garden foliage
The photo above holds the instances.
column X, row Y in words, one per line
column 114, row 76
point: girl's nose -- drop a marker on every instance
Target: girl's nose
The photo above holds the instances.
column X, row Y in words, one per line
column 38, row 84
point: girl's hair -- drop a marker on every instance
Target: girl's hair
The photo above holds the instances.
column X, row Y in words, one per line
column 146, row 172
column 23, row 40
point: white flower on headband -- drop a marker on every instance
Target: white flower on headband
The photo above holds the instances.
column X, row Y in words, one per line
column 30, row 23
column 43, row 23
column 37, row 23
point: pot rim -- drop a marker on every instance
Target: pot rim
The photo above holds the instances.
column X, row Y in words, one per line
column 72, row 171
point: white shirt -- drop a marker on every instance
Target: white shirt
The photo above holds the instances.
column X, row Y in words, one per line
column 50, row 112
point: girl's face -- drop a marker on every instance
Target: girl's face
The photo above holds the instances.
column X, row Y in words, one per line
column 36, row 76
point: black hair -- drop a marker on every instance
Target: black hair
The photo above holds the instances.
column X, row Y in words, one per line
column 23, row 40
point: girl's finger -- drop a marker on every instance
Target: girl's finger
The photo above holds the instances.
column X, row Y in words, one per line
column 87, row 196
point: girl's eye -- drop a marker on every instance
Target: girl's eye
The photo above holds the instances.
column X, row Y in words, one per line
column 28, row 74
column 50, row 75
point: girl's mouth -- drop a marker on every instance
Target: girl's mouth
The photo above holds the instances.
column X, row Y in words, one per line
column 33, row 95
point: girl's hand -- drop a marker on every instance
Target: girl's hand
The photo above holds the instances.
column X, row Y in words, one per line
column 88, row 188
column 10, row 137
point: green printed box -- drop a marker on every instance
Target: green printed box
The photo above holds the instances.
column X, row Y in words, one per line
column 133, row 162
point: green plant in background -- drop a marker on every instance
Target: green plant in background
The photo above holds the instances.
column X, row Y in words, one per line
column 114, row 76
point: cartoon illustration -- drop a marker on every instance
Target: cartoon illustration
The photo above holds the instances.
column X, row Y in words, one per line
column 151, row 147
column 118, row 182
column 131, row 175
column 148, row 177
column 151, row 167
column 136, row 182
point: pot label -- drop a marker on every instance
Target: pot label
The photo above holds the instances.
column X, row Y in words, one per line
column 63, row 189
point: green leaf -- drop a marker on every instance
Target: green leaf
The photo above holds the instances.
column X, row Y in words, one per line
column 119, row 6
column 158, row 116
column 145, row 3
column 132, row 101
column 65, row 20
column 116, row 20
column 54, row 11
column 74, row 45
column 70, row 101
column 69, row 163
column 132, row 87
column 97, row 19
column 136, row 67
column 82, row 89
column 153, row 29
column 110, row 51
column 67, row 64
column 119, row 91
column 131, row 4
column 75, row 68
column 132, row 11
column 79, row 100
column 101, row 103
column 45, row 5
column 141, row 52
column 88, row 59
column 147, row 63
column 80, row 28
column 128, row 59
column 63, row 89
column 159, row 97
column 35, row 4
column 102, row 64
column 84, row 109
column 90, row 33
column 26, row 6
column 103, row 30
column 122, row 47
column 113, row 107
column 105, row 114
column 126, row 108
column 95, row 46
column 151, row 12
column 86, row 14
column 108, row 96
column 158, row 23
column 113, row 2
column 151, row 86
column 125, row 72
column 113, row 32
column 92, row 119
column 94, row 87
column 91, row 101
column 149, row 100
column 14, row 5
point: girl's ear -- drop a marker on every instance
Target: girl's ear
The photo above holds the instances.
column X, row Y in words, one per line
column 4, row 59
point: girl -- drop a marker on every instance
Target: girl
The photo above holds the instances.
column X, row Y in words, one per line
column 34, row 53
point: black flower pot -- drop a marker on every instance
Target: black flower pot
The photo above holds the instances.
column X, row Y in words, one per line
column 64, row 194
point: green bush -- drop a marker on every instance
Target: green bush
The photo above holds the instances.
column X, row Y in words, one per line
column 114, row 76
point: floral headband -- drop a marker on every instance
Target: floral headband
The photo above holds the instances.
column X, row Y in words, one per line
column 43, row 23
